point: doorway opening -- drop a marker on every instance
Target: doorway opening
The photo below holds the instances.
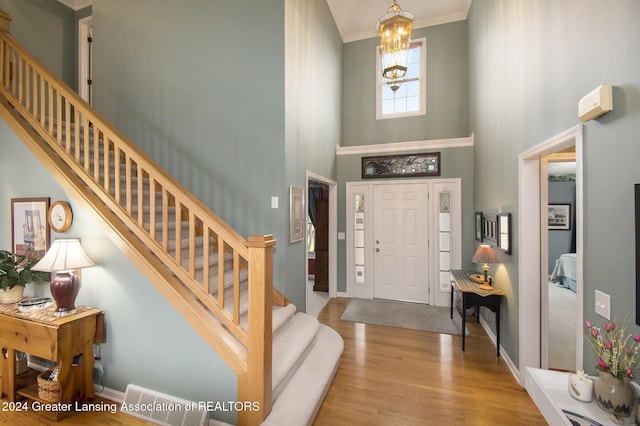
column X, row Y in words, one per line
column 321, row 242
column 533, row 255
column 85, row 40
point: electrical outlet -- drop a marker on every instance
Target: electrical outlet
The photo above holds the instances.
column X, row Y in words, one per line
column 603, row 305
column 96, row 351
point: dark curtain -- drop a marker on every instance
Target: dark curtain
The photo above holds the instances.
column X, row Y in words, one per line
column 314, row 192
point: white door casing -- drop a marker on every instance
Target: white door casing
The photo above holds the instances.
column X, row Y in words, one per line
column 529, row 245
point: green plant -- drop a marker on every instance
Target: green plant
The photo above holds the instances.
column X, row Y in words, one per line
column 617, row 351
column 15, row 269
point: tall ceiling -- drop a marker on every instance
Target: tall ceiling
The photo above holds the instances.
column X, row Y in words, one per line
column 356, row 19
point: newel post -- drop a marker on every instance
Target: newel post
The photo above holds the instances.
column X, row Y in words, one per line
column 5, row 20
column 255, row 385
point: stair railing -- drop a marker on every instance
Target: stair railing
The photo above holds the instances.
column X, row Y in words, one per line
column 160, row 212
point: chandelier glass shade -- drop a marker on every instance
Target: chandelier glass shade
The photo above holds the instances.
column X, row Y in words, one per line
column 394, row 30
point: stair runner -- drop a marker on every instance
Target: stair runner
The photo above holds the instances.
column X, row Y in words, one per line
column 305, row 353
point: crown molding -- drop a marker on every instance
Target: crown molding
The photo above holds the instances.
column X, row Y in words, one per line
column 385, row 148
column 76, row 4
column 418, row 23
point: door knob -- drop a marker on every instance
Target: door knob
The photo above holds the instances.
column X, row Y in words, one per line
column 377, row 249
column 377, row 241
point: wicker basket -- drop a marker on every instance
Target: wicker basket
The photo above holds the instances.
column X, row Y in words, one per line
column 12, row 295
column 48, row 390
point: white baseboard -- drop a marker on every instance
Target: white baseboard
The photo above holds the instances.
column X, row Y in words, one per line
column 505, row 356
column 343, row 294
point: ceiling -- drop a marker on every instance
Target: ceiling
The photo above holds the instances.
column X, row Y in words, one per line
column 356, row 19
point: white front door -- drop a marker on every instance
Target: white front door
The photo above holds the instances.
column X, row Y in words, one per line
column 400, row 258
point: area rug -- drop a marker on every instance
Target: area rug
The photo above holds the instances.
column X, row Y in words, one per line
column 415, row 316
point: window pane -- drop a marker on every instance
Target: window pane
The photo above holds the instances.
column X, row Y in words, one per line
column 387, row 93
column 400, row 105
column 387, row 106
column 413, row 104
column 412, row 88
column 402, row 91
column 414, row 55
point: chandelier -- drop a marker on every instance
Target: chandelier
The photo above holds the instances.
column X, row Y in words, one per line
column 394, row 30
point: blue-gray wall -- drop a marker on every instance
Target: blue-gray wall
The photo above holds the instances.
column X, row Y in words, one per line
column 446, row 118
column 446, row 90
column 530, row 62
column 313, row 72
column 47, row 29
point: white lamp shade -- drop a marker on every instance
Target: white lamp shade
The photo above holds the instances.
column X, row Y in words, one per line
column 64, row 255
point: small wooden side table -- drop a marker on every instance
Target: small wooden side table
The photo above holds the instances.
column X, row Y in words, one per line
column 67, row 341
column 473, row 295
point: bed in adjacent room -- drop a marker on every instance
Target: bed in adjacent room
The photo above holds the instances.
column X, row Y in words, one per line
column 564, row 274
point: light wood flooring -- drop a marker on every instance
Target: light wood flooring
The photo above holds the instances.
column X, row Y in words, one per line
column 393, row 376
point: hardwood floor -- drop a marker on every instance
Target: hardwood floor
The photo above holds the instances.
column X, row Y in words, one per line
column 392, row 376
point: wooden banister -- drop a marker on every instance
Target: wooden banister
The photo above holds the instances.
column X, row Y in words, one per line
column 156, row 218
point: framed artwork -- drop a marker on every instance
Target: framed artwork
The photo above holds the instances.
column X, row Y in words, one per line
column 296, row 214
column 405, row 165
column 504, row 232
column 479, row 226
column 29, row 226
column 559, row 217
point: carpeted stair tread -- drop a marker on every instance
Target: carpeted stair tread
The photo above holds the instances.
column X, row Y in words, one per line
column 289, row 348
column 300, row 401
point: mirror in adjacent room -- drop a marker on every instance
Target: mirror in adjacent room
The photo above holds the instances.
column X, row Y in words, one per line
column 561, row 262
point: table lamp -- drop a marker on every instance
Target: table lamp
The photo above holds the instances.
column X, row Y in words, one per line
column 485, row 255
column 63, row 258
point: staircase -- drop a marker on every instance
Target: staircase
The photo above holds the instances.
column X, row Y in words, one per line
column 218, row 281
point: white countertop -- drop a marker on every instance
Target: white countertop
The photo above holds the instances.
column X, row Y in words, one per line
column 550, row 392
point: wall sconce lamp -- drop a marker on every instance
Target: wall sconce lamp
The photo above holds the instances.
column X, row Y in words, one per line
column 485, row 255
column 63, row 258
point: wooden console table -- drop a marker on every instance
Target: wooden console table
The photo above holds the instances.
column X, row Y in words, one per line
column 473, row 295
column 67, row 341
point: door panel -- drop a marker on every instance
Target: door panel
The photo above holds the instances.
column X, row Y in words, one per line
column 401, row 242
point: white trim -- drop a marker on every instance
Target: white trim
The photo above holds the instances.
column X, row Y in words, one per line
column 333, row 230
column 396, row 147
column 343, row 294
column 77, row 4
column 460, row 15
column 529, row 243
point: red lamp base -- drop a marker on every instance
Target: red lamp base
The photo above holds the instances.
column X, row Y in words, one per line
column 64, row 289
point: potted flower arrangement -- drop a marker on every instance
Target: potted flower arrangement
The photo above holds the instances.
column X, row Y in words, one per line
column 617, row 354
column 15, row 273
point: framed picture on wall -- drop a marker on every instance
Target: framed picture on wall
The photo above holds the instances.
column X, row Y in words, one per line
column 559, row 216
column 29, row 226
column 297, row 214
column 479, row 226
